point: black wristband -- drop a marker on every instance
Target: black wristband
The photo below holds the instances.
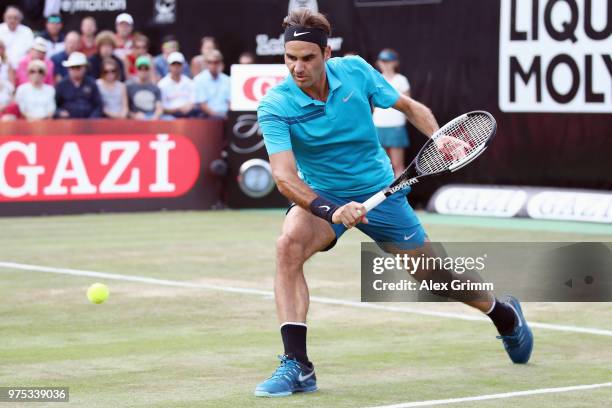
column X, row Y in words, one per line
column 323, row 208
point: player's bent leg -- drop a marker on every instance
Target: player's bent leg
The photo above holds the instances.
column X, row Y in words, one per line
column 507, row 314
column 302, row 236
column 394, row 228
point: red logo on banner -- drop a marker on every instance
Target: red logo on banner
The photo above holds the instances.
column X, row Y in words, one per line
column 256, row 87
column 95, row 167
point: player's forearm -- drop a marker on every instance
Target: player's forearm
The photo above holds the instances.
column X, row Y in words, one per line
column 292, row 187
column 418, row 114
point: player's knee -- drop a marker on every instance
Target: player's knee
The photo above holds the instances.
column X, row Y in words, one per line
column 290, row 249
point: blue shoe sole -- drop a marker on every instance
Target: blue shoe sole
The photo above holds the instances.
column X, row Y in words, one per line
column 285, row 394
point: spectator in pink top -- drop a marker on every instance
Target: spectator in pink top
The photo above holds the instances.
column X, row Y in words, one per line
column 37, row 52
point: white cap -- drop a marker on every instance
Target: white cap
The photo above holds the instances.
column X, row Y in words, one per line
column 124, row 18
column 40, row 44
column 76, row 59
column 176, row 57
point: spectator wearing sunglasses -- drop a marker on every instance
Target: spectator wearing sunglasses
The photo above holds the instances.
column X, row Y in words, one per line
column 113, row 91
column 213, row 87
column 144, row 96
column 36, row 100
column 77, row 96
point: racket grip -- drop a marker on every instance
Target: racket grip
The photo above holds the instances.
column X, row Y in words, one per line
column 373, row 201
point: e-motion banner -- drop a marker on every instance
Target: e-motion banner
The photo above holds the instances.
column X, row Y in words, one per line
column 470, row 271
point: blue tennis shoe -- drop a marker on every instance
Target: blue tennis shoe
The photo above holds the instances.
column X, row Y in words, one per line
column 291, row 376
column 519, row 344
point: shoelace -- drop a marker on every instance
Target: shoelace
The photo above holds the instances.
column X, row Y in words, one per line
column 285, row 368
column 511, row 340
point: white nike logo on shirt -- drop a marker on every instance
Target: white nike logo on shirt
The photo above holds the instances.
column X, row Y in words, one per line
column 348, row 97
column 406, row 238
column 326, row 207
column 298, row 34
column 305, row 377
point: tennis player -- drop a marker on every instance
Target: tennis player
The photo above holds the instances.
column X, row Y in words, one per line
column 327, row 159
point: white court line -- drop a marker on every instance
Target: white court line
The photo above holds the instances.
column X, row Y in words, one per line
column 270, row 294
column 496, row 396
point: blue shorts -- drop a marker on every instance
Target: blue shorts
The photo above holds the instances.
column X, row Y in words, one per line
column 393, row 136
column 392, row 222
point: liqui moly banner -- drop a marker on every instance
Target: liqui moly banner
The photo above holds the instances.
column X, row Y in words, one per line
column 554, row 56
column 96, row 167
column 250, row 82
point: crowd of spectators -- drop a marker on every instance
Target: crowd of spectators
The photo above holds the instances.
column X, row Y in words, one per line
column 105, row 74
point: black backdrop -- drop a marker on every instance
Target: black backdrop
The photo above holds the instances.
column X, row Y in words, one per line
column 449, row 52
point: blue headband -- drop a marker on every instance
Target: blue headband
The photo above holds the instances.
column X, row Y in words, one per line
column 308, row 34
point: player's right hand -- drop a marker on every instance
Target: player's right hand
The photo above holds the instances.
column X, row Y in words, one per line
column 350, row 215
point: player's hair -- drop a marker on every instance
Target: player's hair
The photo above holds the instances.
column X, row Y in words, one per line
column 304, row 17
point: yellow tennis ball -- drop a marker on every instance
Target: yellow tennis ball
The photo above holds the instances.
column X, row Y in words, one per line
column 97, row 293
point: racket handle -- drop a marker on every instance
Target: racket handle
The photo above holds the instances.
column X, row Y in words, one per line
column 373, row 201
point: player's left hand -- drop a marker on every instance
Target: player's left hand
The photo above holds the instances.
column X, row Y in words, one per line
column 452, row 148
column 350, row 214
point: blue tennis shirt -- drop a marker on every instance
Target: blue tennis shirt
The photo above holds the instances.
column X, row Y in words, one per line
column 335, row 143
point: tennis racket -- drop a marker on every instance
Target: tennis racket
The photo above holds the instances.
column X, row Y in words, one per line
column 453, row 146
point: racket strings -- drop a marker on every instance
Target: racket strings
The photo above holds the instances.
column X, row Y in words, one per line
column 474, row 131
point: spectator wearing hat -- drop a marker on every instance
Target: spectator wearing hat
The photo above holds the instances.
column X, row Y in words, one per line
column 17, row 37
column 213, row 87
column 177, row 89
column 390, row 123
column 37, row 52
column 89, row 28
column 169, row 45
column 36, row 100
column 54, row 36
column 71, row 42
column 113, row 92
column 77, row 96
column 124, row 27
column 144, row 96
column 105, row 44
